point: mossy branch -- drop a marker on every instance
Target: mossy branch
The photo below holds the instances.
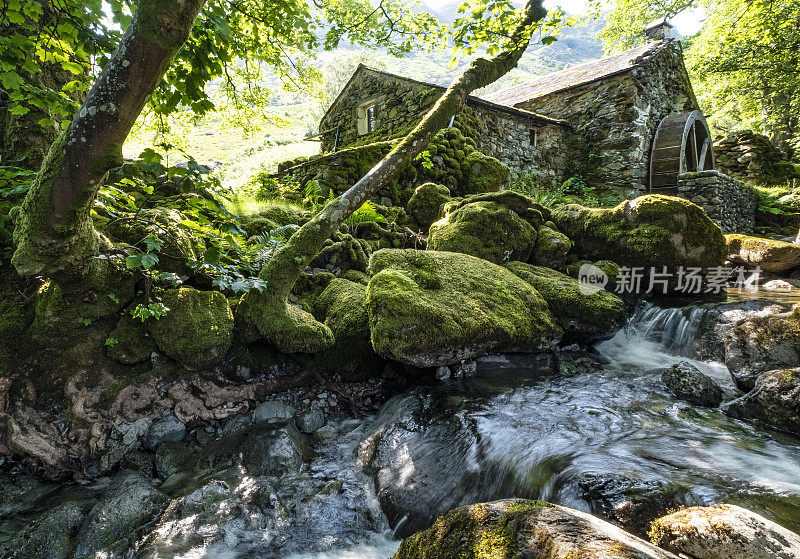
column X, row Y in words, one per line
column 268, row 315
column 54, row 233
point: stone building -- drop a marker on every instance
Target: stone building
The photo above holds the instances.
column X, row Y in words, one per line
column 628, row 122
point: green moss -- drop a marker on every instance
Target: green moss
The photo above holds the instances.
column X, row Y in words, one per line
column 769, row 254
column 482, row 173
column 430, row 308
column 487, row 230
column 110, row 158
column 551, row 247
column 197, row 329
column 356, row 277
column 44, row 247
column 650, row 231
column 425, row 205
column 483, row 531
column 342, row 308
column 133, row 345
column 580, row 315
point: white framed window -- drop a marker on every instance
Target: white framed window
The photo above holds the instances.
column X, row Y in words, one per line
column 366, row 118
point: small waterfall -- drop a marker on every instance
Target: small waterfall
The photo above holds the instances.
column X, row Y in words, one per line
column 676, row 329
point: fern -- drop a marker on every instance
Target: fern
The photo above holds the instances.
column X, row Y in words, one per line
column 365, row 214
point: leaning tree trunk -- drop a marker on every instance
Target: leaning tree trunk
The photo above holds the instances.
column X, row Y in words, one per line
column 54, row 234
column 268, row 314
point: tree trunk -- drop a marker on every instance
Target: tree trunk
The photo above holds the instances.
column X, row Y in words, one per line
column 54, row 234
column 268, row 314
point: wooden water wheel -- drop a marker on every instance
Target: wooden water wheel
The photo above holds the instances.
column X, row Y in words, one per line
column 682, row 145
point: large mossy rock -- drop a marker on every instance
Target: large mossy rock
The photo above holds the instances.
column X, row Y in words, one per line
column 770, row 255
column 342, row 307
column 551, row 247
column 583, row 316
column 271, row 216
column 688, row 383
column 649, row 231
column 495, row 228
column 516, row 528
column 762, row 344
column 482, row 173
column 430, row 308
column 724, row 532
column 775, row 401
column 197, row 329
column 426, row 203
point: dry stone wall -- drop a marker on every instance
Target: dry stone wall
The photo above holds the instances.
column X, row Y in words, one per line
column 752, row 158
column 729, row 203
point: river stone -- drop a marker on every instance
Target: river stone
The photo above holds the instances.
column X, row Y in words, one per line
column 124, row 438
column 689, row 384
column 724, row 532
column 525, row 529
column 113, row 524
column 310, row 421
column 775, row 400
column 173, row 457
column 770, row 255
column 762, row 344
column 198, row 328
column 272, row 452
column 271, row 411
column 168, row 428
column 429, row 308
column 52, row 534
column 629, row 502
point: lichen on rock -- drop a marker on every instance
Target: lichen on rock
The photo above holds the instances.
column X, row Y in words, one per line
column 430, row 308
column 197, row 329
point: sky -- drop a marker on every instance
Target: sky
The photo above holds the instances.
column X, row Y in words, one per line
column 687, row 23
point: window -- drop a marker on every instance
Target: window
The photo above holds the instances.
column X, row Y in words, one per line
column 533, row 136
column 366, row 118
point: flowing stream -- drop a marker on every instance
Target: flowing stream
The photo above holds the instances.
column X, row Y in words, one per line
column 533, row 435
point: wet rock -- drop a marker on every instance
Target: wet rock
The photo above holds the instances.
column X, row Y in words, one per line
column 423, row 462
column 309, row 422
column 775, row 400
column 724, row 531
column 689, row 384
column 20, row 493
column 124, row 438
column 272, row 452
column 271, row 411
column 115, row 522
column 168, row 428
column 629, row 502
column 770, row 255
column 762, row 344
column 530, row 529
column 417, row 299
column 52, row 534
column 172, row 458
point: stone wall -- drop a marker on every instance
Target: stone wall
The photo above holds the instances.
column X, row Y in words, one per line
column 752, row 158
column 729, row 203
column 400, row 103
column 619, row 114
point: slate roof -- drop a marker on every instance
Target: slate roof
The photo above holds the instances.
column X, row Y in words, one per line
column 575, row 76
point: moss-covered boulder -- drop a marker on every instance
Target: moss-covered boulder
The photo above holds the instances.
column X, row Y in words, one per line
column 761, row 344
column 342, row 307
column 484, row 229
column 343, row 252
column 649, row 231
column 770, row 255
column 425, row 205
column 271, row 216
column 197, row 329
column 775, row 401
column 482, row 173
column 516, row 528
column 430, row 308
column 128, row 343
column 551, row 248
column 179, row 243
column 724, row 532
column 583, row 316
